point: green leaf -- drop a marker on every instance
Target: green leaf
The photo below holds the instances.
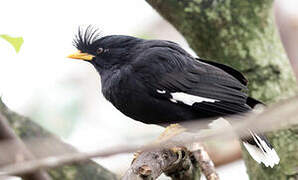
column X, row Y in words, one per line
column 16, row 42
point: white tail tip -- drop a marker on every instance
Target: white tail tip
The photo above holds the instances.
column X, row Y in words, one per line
column 268, row 157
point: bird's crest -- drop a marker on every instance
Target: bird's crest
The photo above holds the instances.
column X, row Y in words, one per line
column 86, row 36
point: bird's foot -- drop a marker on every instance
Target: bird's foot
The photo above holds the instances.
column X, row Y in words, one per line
column 171, row 131
column 180, row 151
column 181, row 162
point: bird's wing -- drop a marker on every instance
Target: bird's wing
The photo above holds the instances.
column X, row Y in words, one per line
column 171, row 75
column 236, row 74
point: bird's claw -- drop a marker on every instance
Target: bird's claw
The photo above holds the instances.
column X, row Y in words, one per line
column 181, row 154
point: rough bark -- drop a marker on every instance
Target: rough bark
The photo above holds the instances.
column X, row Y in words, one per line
column 205, row 163
column 149, row 165
column 27, row 129
column 243, row 35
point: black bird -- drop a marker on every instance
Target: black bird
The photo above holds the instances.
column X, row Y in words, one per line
column 157, row 82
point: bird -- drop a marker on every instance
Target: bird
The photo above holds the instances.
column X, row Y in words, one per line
column 158, row 82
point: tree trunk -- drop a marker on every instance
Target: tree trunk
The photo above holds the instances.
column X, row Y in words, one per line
column 242, row 34
column 27, row 129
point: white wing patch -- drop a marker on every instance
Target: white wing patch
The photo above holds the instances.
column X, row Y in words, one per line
column 186, row 98
column 161, row 91
column 189, row 99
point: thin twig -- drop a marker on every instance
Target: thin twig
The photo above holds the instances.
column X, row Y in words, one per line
column 275, row 117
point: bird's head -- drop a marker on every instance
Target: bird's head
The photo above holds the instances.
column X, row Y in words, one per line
column 104, row 52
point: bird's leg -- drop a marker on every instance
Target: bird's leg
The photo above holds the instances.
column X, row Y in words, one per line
column 170, row 131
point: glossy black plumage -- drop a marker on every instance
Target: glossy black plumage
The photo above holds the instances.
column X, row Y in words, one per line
column 134, row 71
column 161, row 65
column 157, row 82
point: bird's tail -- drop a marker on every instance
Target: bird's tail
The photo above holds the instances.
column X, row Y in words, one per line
column 260, row 149
column 257, row 144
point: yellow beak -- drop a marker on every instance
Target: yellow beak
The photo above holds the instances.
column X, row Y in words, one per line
column 82, row 56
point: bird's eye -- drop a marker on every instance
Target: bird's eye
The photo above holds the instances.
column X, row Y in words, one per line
column 99, row 50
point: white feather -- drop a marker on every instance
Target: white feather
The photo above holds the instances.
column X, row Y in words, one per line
column 161, row 91
column 271, row 154
column 263, row 153
column 189, row 99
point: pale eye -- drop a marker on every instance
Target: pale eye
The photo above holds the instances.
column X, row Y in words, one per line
column 99, row 50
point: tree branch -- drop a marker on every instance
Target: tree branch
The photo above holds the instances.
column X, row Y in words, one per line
column 179, row 165
column 243, row 34
column 205, row 163
column 286, row 16
column 19, row 150
column 26, row 129
column 281, row 115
